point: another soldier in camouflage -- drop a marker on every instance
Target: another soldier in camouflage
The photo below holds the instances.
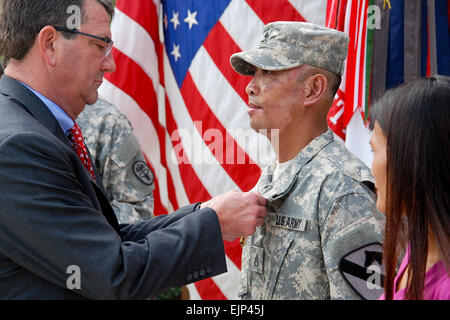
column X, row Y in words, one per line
column 320, row 196
column 125, row 175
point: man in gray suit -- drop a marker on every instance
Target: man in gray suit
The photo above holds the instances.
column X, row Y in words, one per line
column 59, row 237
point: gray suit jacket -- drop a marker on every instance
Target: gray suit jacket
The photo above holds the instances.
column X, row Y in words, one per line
column 55, row 219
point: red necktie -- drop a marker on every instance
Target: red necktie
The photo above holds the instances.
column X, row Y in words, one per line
column 77, row 142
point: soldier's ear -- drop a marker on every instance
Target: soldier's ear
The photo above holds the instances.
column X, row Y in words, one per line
column 315, row 87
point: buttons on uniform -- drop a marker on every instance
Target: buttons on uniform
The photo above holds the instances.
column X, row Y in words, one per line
column 189, row 277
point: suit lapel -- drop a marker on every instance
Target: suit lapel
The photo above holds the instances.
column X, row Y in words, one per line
column 30, row 102
column 26, row 99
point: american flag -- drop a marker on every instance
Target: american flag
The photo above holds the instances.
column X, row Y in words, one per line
column 188, row 107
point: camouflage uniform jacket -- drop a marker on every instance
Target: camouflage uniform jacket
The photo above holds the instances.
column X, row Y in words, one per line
column 319, row 210
column 116, row 152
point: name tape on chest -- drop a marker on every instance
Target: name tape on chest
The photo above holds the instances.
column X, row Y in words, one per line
column 292, row 223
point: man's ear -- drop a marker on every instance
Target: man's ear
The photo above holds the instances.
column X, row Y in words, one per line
column 315, row 87
column 47, row 44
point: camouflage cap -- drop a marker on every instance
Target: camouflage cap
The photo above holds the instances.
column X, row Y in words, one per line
column 288, row 44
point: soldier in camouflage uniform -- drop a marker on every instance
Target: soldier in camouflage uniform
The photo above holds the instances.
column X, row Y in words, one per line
column 321, row 203
column 126, row 178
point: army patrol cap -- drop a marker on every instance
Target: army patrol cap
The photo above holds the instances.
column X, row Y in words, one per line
column 289, row 44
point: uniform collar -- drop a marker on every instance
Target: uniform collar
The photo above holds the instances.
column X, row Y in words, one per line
column 273, row 191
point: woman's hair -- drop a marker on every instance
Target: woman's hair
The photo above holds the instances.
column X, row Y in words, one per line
column 415, row 118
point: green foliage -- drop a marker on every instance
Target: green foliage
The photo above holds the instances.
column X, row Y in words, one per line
column 170, row 294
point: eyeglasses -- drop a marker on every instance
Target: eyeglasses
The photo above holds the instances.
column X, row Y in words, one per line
column 108, row 41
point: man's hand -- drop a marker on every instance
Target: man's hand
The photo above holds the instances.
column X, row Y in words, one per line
column 239, row 213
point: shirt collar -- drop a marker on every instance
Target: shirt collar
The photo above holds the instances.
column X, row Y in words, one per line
column 61, row 116
column 274, row 190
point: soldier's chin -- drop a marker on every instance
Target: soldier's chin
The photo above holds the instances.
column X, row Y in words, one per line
column 259, row 130
column 267, row 132
column 255, row 126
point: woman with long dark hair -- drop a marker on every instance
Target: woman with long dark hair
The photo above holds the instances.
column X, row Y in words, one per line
column 411, row 166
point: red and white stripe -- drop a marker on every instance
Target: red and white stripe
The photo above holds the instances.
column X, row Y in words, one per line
column 346, row 116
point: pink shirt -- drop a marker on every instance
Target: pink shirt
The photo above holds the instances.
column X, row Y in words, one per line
column 437, row 282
